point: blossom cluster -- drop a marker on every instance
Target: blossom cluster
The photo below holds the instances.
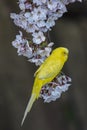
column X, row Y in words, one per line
column 34, row 53
column 53, row 90
column 37, row 17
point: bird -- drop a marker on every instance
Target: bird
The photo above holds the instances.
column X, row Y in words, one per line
column 49, row 69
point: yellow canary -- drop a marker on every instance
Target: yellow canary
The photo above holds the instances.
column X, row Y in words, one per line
column 46, row 73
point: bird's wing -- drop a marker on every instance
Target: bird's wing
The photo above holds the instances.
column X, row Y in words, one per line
column 41, row 67
column 38, row 70
column 44, row 73
column 50, row 70
column 47, row 75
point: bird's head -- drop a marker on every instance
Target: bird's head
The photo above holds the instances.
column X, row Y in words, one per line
column 61, row 52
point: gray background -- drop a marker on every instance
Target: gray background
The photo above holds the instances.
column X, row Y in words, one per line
column 16, row 75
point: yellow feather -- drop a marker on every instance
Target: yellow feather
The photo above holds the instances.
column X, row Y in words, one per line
column 46, row 73
column 30, row 103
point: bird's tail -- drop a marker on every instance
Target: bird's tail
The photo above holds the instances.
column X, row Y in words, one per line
column 28, row 108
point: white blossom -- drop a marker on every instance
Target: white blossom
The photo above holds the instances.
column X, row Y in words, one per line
column 37, row 61
column 39, row 2
column 31, row 28
column 39, row 13
column 50, row 23
column 22, row 46
column 41, row 23
column 38, row 37
column 44, row 52
column 19, row 20
column 23, row 5
column 52, row 4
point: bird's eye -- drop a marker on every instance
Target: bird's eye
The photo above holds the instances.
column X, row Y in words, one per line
column 64, row 53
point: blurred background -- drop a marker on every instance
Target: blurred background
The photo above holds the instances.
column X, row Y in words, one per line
column 16, row 75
